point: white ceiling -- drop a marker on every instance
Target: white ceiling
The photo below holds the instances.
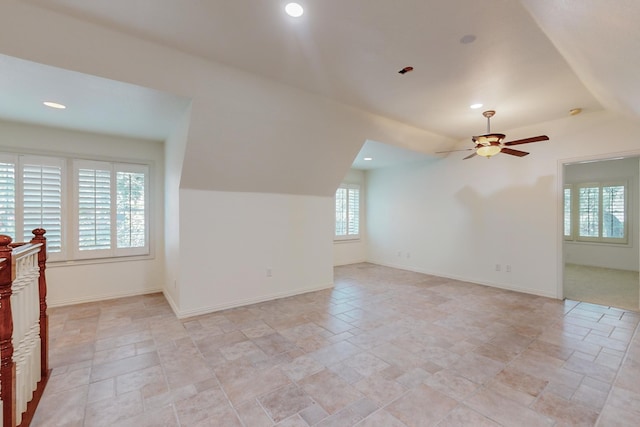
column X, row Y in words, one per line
column 530, row 59
column 94, row 104
column 384, row 155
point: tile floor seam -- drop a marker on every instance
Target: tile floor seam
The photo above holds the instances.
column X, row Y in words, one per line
column 386, row 298
column 635, row 335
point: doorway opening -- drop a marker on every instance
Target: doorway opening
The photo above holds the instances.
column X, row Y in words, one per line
column 601, row 236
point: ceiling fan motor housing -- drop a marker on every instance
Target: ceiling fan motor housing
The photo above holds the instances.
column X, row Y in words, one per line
column 489, row 139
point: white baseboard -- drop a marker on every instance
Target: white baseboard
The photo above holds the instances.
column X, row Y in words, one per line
column 470, row 280
column 103, row 297
column 171, row 302
column 183, row 314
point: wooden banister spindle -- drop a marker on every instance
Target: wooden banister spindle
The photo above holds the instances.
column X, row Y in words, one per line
column 7, row 365
column 38, row 234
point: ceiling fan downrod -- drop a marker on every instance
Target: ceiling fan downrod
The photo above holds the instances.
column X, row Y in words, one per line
column 488, row 114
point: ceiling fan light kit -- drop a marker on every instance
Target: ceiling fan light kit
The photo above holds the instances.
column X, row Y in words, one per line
column 490, row 144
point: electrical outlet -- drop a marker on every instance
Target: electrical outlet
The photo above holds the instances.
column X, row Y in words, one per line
column 408, row 255
column 399, row 253
column 497, row 267
column 508, row 268
column 269, row 272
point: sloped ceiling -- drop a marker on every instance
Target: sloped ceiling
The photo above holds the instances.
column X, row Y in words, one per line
column 600, row 41
column 530, row 60
column 352, row 51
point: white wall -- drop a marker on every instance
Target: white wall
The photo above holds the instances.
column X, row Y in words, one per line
column 246, row 135
column 353, row 251
column 235, row 238
column 624, row 257
column 459, row 219
column 174, row 148
column 80, row 281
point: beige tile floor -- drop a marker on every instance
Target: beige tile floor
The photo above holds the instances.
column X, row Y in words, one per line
column 385, row 348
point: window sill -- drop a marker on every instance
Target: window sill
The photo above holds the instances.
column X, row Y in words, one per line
column 90, row 261
column 588, row 243
column 352, row 240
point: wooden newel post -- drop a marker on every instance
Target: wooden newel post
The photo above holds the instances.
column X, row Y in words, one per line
column 38, row 234
column 7, row 365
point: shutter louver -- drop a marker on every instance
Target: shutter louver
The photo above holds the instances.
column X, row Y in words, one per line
column 341, row 212
column 42, row 203
column 347, row 212
column 589, row 217
column 567, row 212
column 8, row 199
column 94, row 209
column 354, row 212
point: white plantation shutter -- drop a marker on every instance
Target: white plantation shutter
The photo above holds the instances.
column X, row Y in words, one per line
column 602, row 212
column 131, row 209
column 341, row 212
column 112, row 204
column 42, row 199
column 8, row 195
column 354, row 211
column 613, row 211
column 567, row 212
column 347, row 212
column 93, row 183
column 107, row 210
column 589, row 210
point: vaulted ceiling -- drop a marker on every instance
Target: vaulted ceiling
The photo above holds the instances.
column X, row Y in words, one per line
column 531, row 60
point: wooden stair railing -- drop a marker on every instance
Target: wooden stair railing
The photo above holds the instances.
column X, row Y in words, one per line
column 20, row 386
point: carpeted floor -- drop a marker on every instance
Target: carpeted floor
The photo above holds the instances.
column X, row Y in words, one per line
column 604, row 286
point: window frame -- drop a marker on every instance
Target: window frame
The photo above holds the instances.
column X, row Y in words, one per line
column 575, row 213
column 347, row 237
column 114, row 251
column 23, row 234
column 569, row 187
column 69, row 211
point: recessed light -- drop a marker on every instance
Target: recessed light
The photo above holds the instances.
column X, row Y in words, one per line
column 294, row 10
column 368, row 159
column 475, row 106
column 54, row 105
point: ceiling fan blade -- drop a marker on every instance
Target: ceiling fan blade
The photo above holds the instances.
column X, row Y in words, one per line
column 453, row 151
column 513, row 152
column 528, row 140
column 470, row 156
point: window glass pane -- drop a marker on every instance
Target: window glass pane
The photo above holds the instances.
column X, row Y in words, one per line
column 94, row 209
column 42, row 202
column 589, row 199
column 567, row 212
column 341, row 212
column 613, row 207
column 131, row 232
column 8, row 199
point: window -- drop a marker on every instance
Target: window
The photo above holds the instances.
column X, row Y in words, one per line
column 104, row 214
column 596, row 213
column 42, row 199
column 568, row 233
column 7, row 196
column 347, row 212
column 31, row 197
column 111, row 204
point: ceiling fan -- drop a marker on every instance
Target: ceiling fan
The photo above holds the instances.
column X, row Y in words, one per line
column 490, row 144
